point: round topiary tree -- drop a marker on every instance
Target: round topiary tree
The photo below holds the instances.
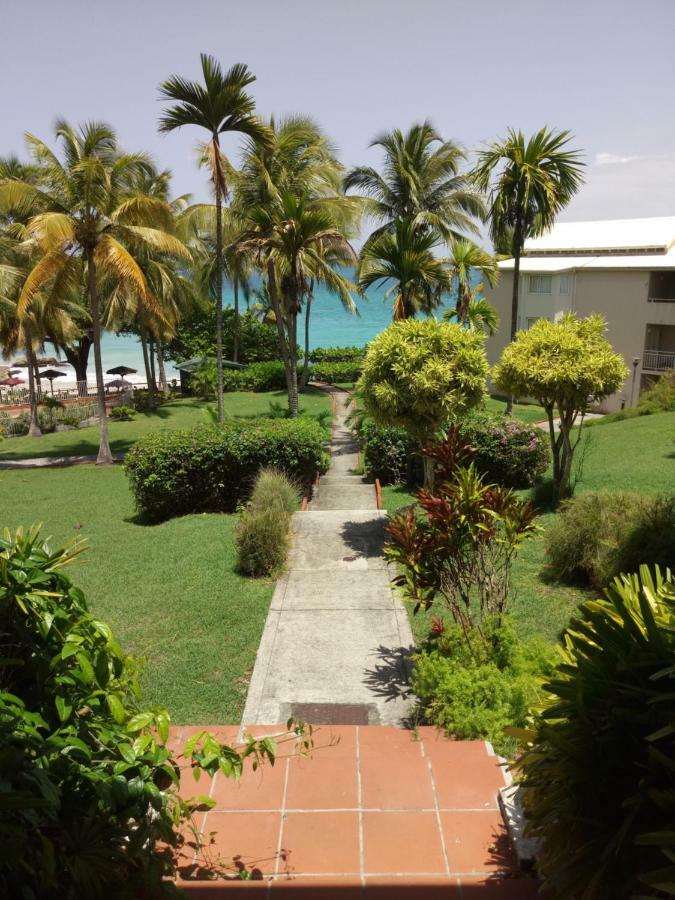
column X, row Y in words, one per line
column 566, row 366
column 420, row 374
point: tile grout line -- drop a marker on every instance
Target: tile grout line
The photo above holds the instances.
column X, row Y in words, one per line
column 436, row 809
column 359, row 800
column 282, row 812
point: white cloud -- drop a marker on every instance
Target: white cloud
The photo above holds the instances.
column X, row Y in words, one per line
column 612, row 159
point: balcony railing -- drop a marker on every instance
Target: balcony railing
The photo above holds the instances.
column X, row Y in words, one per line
column 661, row 299
column 658, row 359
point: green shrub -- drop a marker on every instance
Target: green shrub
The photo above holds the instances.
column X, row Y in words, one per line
column 334, row 372
column 257, row 377
column 88, row 786
column 204, row 469
column 660, row 397
column 475, row 691
column 195, row 336
column 508, row 452
column 600, row 534
column 122, row 413
column 387, row 454
column 337, row 354
column 599, row 765
column 273, row 489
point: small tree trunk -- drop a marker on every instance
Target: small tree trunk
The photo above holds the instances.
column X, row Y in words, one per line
column 148, row 369
column 151, row 354
column 34, row 427
column 78, row 355
column 236, row 323
column 105, row 457
column 293, row 354
column 305, row 358
column 517, row 251
column 428, row 464
column 163, row 383
column 281, row 329
column 219, row 296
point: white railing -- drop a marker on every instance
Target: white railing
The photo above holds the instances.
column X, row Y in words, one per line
column 658, row 359
column 18, row 395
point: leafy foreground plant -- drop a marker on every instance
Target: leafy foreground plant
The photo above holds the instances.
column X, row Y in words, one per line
column 458, row 546
column 599, row 771
column 89, row 803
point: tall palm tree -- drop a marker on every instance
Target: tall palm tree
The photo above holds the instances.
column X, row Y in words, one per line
column 297, row 243
column 220, row 104
column 406, row 258
column 529, row 182
column 465, row 260
column 299, row 161
column 89, row 215
column 421, row 181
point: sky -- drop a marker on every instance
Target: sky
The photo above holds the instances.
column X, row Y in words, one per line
column 605, row 69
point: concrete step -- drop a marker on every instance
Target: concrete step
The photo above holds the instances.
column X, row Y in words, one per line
column 338, row 541
column 344, row 496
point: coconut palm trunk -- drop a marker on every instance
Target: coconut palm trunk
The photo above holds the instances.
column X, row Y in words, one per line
column 105, row 457
column 281, row 331
column 163, row 383
column 236, row 325
column 148, row 368
column 219, row 296
column 305, row 358
column 515, row 293
column 34, row 427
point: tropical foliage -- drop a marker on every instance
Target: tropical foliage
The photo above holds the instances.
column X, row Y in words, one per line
column 566, row 366
column 89, row 795
column 598, row 773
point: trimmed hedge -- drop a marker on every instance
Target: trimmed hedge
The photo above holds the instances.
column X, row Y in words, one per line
column 333, row 372
column 337, row 354
column 212, row 469
column 257, row 377
column 508, row 452
column 387, row 453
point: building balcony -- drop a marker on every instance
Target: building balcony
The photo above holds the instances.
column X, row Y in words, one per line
column 658, row 360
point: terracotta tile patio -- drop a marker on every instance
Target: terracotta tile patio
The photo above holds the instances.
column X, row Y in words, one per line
column 373, row 812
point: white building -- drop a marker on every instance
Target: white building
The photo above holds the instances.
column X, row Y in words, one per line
column 623, row 269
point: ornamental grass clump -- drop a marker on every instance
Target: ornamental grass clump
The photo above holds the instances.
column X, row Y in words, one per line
column 262, row 534
column 598, row 770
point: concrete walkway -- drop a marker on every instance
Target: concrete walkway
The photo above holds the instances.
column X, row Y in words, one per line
column 335, row 644
column 47, row 462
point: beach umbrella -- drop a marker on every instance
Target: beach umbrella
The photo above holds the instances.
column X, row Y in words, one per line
column 50, row 375
column 122, row 371
column 119, row 383
column 11, row 382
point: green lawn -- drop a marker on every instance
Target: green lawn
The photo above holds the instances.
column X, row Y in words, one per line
column 169, row 591
column 176, row 414
column 636, row 454
column 526, row 412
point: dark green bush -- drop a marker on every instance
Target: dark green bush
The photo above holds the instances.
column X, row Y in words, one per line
column 204, row 469
column 475, row 691
column 122, row 413
column 599, row 534
column 257, row 377
column 599, row 762
column 337, row 372
column 337, row 354
column 195, row 336
column 508, row 452
column 387, row 454
column 88, row 786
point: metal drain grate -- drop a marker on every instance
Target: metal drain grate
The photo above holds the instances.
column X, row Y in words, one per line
column 333, row 713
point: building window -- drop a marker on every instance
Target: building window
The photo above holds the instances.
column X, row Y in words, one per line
column 564, row 284
column 541, row 284
column 529, row 322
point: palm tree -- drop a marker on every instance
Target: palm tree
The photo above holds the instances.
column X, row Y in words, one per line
column 297, row 243
column 421, row 181
column 88, row 215
column 299, row 161
column 467, row 258
column 220, row 104
column 529, row 182
column 405, row 257
column 476, row 313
